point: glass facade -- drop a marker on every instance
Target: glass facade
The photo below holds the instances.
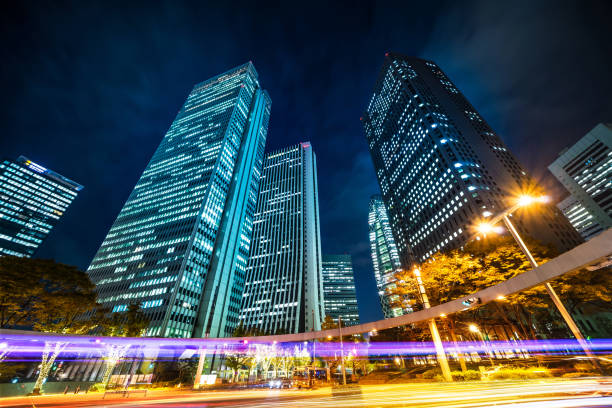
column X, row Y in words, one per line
column 585, row 169
column 284, row 289
column 339, row 289
column 441, row 167
column 384, row 255
column 32, row 200
column 180, row 244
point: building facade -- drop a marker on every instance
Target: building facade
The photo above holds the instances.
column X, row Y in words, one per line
column 585, row 169
column 32, row 200
column 385, row 258
column 283, row 292
column 180, row 244
column 339, row 289
column 441, row 167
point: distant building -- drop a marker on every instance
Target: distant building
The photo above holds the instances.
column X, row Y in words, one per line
column 283, row 290
column 180, row 245
column 384, row 255
column 339, row 289
column 32, row 200
column 440, row 166
column 585, row 169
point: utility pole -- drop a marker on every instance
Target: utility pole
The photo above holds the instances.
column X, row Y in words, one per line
column 446, row 373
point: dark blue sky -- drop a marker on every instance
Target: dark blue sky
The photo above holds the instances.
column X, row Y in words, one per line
column 90, row 90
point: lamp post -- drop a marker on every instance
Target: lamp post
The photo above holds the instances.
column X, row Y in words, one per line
column 342, row 352
column 504, row 216
column 435, row 335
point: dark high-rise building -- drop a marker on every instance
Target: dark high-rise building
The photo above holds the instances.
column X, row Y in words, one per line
column 585, row 169
column 385, row 258
column 180, row 245
column 284, row 289
column 441, row 167
column 339, row 289
column 32, row 200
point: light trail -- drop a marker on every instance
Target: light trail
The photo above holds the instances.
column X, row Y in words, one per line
column 26, row 347
column 554, row 393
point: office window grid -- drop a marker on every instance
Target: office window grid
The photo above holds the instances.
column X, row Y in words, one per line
column 168, row 227
column 385, row 258
column 339, row 289
column 436, row 179
column 32, row 200
column 283, row 285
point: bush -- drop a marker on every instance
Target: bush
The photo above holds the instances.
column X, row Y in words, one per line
column 469, row 375
column 520, row 373
column 431, row 373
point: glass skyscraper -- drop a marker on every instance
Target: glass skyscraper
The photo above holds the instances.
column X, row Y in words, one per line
column 585, row 169
column 339, row 289
column 384, row 255
column 32, row 200
column 441, row 167
column 180, row 245
column 284, row 289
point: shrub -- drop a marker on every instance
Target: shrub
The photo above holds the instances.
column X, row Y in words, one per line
column 469, row 375
column 431, row 373
column 520, row 373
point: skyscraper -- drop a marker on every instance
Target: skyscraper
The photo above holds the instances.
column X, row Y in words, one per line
column 180, row 244
column 339, row 289
column 441, row 167
column 32, row 200
column 284, row 289
column 585, row 169
column 384, row 255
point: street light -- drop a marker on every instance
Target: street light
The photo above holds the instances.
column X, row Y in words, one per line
column 435, row 335
column 525, row 200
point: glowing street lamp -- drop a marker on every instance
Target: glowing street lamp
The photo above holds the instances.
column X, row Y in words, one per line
column 523, row 201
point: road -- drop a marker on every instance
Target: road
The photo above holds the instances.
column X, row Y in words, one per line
column 554, row 393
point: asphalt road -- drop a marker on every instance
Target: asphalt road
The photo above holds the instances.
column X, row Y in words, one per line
column 552, row 393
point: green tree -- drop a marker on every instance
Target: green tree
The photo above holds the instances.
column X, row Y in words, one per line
column 47, row 296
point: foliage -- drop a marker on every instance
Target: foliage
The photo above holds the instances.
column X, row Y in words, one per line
column 431, row 373
column 468, row 375
column 520, row 373
column 45, row 295
column 236, row 362
column 241, row 331
column 131, row 323
column 480, row 264
column 187, row 369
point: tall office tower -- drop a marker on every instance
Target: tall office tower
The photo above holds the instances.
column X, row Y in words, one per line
column 339, row 289
column 32, row 200
column 441, row 167
column 180, row 244
column 284, row 289
column 585, row 169
column 384, row 256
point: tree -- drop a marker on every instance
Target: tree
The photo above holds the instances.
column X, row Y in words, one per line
column 234, row 362
column 131, row 323
column 47, row 296
column 480, row 264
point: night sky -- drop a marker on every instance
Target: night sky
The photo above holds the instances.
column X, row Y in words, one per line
column 90, row 90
